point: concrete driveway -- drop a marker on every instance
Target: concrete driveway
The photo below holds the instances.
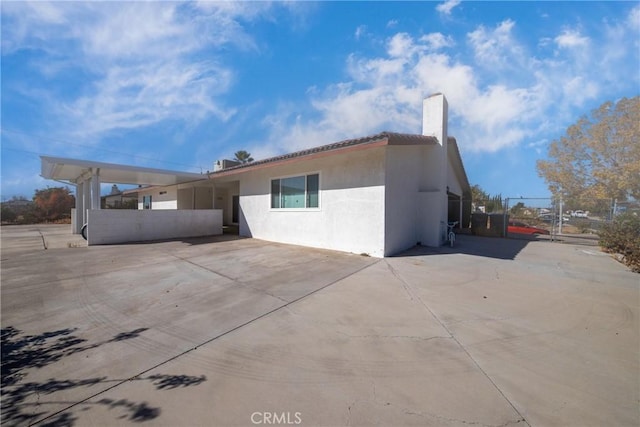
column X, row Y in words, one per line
column 227, row 331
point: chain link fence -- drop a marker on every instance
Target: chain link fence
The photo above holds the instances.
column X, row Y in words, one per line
column 545, row 218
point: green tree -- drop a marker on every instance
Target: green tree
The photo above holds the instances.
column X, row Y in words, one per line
column 494, row 204
column 243, row 156
column 598, row 157
column 54, row 203
column 478, row 195
column 482, row 198
column 8, row 215
column 517, row 209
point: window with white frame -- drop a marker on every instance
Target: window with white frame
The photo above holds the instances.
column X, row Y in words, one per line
column 296, row 192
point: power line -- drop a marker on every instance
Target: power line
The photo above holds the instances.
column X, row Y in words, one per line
column 21, row 151
column 10, row 131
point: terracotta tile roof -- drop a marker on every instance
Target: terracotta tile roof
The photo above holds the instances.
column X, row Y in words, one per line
column 391, row 138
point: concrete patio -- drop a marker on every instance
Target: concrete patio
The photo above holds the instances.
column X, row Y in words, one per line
column 240, row 332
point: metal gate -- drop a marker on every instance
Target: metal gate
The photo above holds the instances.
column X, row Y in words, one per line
column 545, row 218
column 550, row 218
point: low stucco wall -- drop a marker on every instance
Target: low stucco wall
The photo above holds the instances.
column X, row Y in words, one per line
column 120, row 225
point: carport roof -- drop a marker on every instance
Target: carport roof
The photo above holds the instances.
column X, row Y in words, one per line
column 75, row 171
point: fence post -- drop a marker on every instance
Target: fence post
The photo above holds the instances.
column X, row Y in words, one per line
column 504, row 219
column 560, row 217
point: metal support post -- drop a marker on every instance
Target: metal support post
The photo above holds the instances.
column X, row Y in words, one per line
column 560, row 217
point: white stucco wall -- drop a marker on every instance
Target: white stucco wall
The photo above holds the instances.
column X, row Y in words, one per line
column 167, row 200
column 221, row 201
column 413, row 201
column 452, row 181
column 182, row 196
column 121, row 225
column 351, row 213
column 185, row 198
column 223, row 197
column 203, row 198
column 404, row 170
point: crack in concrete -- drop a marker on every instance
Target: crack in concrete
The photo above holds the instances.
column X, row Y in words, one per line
column 409, row 337
column 44, row 242
column 238, row 282
column 407, row 287
column 373, row 401
column 480, row 319
column 212, row 339
column 456, row 420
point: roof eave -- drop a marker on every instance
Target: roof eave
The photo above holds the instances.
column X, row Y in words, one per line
column 378, row 140
column 451, row 141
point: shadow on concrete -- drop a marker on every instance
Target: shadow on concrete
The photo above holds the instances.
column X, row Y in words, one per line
column 232, row 229
column 226, row 237
column 579, row 239
column 192, row 241
column 572, row 239
column 24, row 402
column 491, row 247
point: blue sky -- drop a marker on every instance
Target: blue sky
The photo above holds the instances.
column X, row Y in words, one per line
column 180, row 85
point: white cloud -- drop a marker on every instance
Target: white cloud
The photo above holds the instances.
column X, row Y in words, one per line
column 496, row 47
column 401, row 45
column 530, row 94
column 138, row 58
column 120, row 35
column 386, row 94
column 438, row 73
column 579, row 89
column 137, row 96
column 571, row 39
column 539, row 146
column 379, row 70
column 496, row 116
column 487, row 113
column 437, row 41
column 360, row 31
column 149, row 75
column 446, row 7
column 634, row 19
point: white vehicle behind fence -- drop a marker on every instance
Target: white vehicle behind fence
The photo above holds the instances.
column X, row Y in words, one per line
column 579, row 214
column 549, row 217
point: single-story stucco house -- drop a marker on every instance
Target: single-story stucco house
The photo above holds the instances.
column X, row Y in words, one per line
column 375, row 195
column 117, row 198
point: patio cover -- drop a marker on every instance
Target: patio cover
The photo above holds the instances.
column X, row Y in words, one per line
column 76, row 171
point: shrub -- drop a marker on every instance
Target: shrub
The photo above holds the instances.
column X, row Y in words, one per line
column 7, row 215
column 583, row 225
column 622, row 236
